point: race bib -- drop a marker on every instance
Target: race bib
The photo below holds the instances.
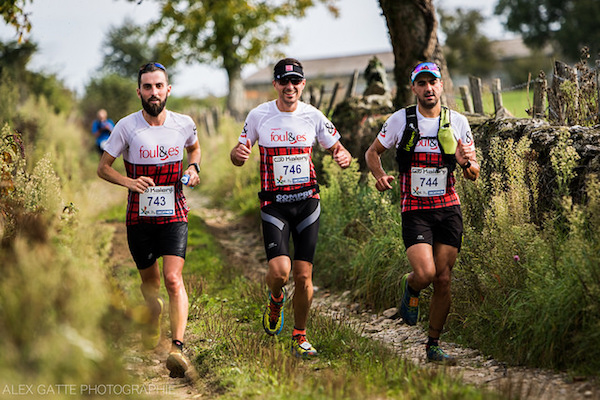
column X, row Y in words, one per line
column 291, row 169
column 157, row 201
column 428, row 182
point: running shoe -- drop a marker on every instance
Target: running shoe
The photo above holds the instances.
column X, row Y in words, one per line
column 301, row 347
column 409, row 305
column 151, row 332
column 177, row 364
column 273, row 315
column 436, row 354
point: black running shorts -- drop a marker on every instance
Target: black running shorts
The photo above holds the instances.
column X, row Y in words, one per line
column 148, row 242
column 301, row 218
column 442, row 225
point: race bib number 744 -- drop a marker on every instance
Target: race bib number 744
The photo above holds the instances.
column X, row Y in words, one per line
column 157, row 201
column 428, row 182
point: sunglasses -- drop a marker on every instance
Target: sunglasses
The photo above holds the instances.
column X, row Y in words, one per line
column 430, row 67
column 427, row 66
column 285, row 81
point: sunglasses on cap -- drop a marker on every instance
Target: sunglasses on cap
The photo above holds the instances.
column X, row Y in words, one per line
column 285, row 81
column 145, row 67
column 429, row 67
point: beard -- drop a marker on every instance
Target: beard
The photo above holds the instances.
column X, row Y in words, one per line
column 428, row 103
column 154, row 109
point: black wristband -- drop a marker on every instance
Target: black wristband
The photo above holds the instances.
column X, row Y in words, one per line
column 467, row 165
column 195, row 165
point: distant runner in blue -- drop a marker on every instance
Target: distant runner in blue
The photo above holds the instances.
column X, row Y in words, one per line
column 101, row 129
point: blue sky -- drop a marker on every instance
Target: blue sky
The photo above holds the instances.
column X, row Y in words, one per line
column 70, row 33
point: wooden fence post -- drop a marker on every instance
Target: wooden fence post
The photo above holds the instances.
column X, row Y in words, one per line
column 477, row 95
column 313, row 96
column 598, row 87
column 557, row 100
column 497, row 95
column 539, row 96
column 208, row 120
column 352, row 85
column 466, row 99
column 332, row 100
column 216, row 117
column 320, row 99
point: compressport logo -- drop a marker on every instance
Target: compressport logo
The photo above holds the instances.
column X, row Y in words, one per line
column 160, row 152
column 290, row 198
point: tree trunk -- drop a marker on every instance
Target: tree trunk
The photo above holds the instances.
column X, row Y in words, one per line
column 412, row 25
column 236, row 103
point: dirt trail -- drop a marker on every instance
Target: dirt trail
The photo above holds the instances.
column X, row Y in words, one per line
column 242, row 244
column 148, row 367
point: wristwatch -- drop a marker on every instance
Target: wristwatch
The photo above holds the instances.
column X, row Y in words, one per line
column 467, row 165
column 195, row 165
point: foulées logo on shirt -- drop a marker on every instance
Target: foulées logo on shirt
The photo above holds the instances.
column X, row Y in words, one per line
column 160, row 152
column 287, row 136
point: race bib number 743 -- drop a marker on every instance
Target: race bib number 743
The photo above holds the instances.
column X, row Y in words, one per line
column 157, row 201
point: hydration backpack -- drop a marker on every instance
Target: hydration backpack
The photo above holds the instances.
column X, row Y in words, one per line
column 411, row 137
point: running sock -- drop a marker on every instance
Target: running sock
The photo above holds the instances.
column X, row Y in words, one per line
column 178, row 344
column 433, row 342
column 298, row 332
column 277, row 299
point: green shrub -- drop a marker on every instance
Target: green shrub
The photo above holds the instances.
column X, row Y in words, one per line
column 224, row 183
column 54, row 297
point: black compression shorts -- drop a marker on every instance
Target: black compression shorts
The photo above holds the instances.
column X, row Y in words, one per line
column 148, row 242
column 442, row 225
column 301, row 218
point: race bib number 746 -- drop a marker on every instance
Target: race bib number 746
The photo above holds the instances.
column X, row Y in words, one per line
column 291, row 169
column 157, row 201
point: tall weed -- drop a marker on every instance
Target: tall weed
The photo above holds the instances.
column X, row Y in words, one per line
column 360, row 245
column 222, row 182
column 512, row 272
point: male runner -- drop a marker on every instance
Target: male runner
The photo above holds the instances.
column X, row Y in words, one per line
column 286, row 129
column 429, row 141
column 152, row 142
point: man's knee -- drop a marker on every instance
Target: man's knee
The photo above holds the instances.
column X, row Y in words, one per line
column 302, row 279
column 173, row 283
column 279, row 270
column 442, row 282
column 423, row 277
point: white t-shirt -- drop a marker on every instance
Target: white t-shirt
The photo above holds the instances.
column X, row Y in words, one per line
column 393, row 129
column 422, row 192
column 285, row 141
column 156, row 152
column 274, row 128
column 141, row 143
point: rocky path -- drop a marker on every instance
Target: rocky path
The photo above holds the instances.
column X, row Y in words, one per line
column 472, row 366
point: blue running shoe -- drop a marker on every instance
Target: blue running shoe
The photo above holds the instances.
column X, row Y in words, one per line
column 409, row 305
column 436, row 354
column 273, row 315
